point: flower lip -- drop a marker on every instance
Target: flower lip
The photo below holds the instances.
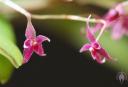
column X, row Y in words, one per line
column 34, row 42
column 98, row 56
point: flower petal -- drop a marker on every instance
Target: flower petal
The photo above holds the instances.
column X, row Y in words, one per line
column 27, row 54
column 101, row 61
column 27, row 43
column 104, row 53
column 85, row 48
column 112, row 15
column 30, row 31
column 117, row 31
column 121, row 9
column 41, row 38
column 97, row 27
column 39, row 50
column 90, row 35
column 93, row 53
column 125, row 22
column 98, row 57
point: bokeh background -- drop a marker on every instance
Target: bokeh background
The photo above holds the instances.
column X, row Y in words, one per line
column 64, row 65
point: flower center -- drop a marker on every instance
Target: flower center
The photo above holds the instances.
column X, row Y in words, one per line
column 91, row 49
column 96, row 46
column 33, row 42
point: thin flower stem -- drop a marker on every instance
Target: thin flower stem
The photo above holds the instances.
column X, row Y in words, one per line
column 75, row 18
column 102, row 30
column 66, row 17
column 16, row 7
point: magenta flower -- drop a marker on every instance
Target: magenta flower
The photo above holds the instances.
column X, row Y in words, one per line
column 118, row 20
column 98, row 53
column 33, row 43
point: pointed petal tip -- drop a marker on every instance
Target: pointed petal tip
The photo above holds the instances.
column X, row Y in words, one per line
column 48, row 40
column 43, row 54
column 41, row 38
column 81, row 50
column 101, row 61
column 85, row 48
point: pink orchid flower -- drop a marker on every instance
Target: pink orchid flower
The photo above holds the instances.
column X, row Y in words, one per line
column 33, row 43
column 98, row 53
column 118, row 20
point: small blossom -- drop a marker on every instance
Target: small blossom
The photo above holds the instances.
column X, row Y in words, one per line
column 33, row 43
column 118, row 20
column 98, row 53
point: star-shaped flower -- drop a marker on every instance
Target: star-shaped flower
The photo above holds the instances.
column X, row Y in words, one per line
column 98, row 53
column 117, row 18
column 33, row 43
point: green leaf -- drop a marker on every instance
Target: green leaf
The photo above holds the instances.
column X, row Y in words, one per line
column 7, row 46
column 6, row 69
column 6, row 29
column 10, row 55
column 11, row 52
